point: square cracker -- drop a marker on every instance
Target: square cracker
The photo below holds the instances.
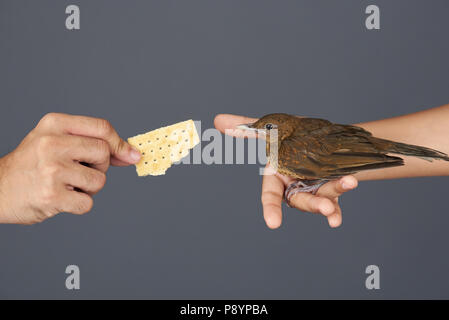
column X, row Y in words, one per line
column 162, row 147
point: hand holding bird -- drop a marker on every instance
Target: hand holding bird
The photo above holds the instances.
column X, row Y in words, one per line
column 324, row 202
column 314, row 158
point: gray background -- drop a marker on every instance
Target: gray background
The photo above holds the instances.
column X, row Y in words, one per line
column 143, row 64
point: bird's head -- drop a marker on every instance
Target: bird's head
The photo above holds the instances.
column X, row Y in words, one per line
column 283, row 123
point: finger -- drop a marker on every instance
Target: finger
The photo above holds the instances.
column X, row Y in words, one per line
column 89, row 180
column 336, row 188
column 335, row 219
column 75, row 202
column 227, row 123
column 95, row 128
column 118, row 163
column 92, row 151
column 308, row 202
column 286, row 180
column 272, row 192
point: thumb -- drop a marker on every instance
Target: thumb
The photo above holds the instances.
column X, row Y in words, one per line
column 123, row 154
column 225, row 122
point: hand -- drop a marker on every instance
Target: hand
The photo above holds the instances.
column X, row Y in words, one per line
column 324, row 202
column 58, row 167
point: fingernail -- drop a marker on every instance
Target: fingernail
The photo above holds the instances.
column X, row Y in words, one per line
column 135, row 154
column 346, row 185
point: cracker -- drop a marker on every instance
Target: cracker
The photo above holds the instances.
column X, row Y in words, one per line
column 162, row 147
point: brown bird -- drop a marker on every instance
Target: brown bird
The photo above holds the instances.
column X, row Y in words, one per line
column 314, row 151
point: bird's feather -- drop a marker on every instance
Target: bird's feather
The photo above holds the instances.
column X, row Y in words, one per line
column 316, row 149
column 330, row 151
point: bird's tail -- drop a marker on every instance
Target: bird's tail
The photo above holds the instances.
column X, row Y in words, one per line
column 412, row 150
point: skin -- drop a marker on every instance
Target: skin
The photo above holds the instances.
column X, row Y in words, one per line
column 428, row 128
column 44, row 176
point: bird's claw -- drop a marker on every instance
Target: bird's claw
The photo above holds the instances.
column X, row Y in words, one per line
column 302, row 186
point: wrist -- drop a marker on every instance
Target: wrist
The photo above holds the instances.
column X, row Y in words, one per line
column 3, row 197
column 1, row 191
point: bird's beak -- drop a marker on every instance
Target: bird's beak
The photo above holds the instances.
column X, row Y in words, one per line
column 251, row 131
column 248, row 126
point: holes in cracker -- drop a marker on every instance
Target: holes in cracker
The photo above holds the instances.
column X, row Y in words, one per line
column 163, row 147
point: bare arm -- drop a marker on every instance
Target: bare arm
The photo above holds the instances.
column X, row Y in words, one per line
column 429, row 128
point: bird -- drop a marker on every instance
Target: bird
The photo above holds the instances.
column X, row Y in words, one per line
column 314, row 151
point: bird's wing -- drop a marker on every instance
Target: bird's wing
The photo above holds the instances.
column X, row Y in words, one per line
column 332, row 151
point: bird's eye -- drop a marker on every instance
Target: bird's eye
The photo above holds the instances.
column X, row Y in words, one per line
column 269, row 126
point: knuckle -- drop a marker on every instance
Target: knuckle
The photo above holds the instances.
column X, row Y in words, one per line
column 328, row 189
column 101, row 180
column 51, row 172
column 103, row 150
column 49, row 196
column 46, row 143
column 104, row 126
column 121, row 145
column 85, row 205
column 325, row 206
column 49, row 119
column 301, row 202
column 315, row 204
column 96, row 179
column 269, row 197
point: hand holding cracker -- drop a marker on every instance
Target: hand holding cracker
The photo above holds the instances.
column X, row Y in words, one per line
column 58, row 167
column 162, row 147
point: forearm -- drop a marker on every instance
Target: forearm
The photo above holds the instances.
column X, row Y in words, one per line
column 429, row 128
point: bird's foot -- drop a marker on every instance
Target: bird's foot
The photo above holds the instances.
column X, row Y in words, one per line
column 310, row 186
